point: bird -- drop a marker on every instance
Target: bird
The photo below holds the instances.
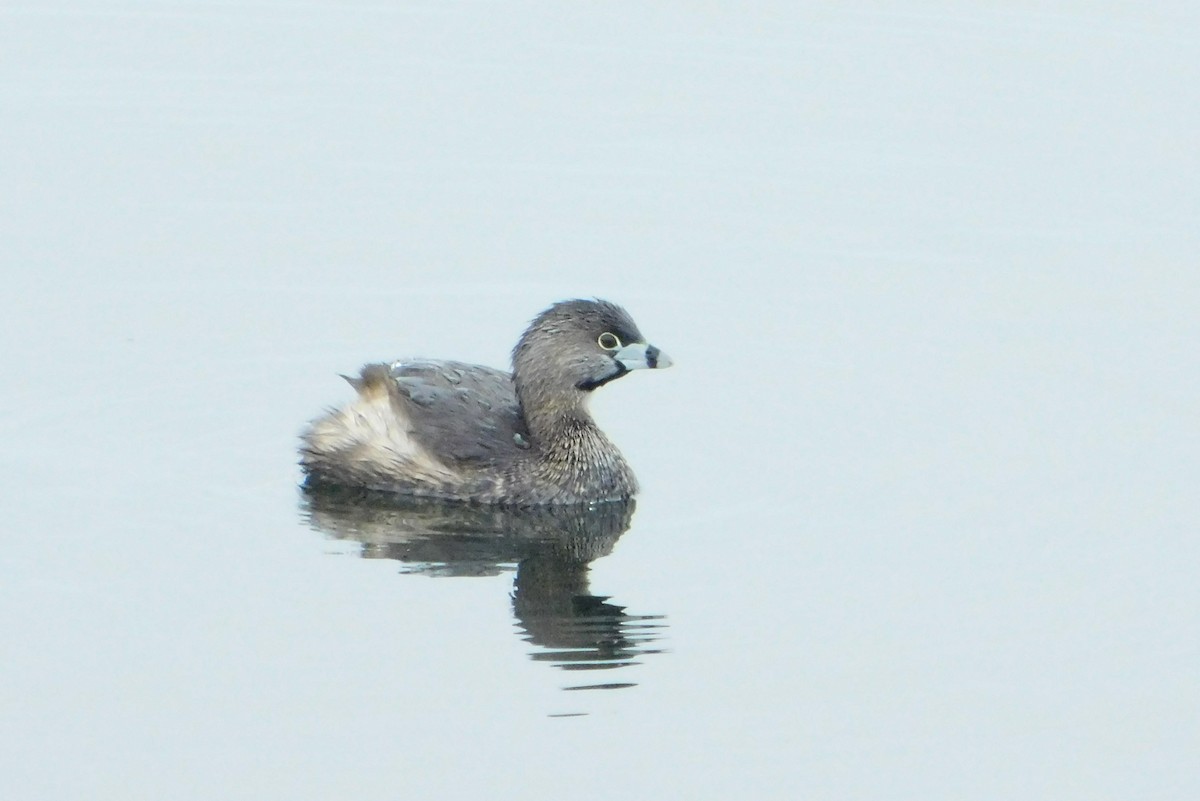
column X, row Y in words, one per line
column 465, row 432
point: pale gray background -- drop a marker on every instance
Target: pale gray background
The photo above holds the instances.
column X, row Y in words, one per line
column 919, row 496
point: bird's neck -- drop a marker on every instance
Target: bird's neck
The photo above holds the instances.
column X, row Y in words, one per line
column 559, row 425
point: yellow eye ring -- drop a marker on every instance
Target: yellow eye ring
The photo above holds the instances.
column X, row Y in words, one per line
column 609, row 341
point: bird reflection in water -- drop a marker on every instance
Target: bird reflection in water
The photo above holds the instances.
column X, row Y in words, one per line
column 550, row 546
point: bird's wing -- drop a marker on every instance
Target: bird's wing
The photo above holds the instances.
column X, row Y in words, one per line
column 461, row 413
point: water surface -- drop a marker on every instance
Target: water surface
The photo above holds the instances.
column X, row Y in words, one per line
column 919, row 508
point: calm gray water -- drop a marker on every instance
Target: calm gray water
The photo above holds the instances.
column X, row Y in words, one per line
column 919, row 517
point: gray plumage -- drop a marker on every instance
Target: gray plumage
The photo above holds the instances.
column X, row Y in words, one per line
column 451, row 430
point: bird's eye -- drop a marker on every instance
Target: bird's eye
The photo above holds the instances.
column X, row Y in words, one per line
column 609, row 341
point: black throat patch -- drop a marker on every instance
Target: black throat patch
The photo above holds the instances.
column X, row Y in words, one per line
column 590, row 384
